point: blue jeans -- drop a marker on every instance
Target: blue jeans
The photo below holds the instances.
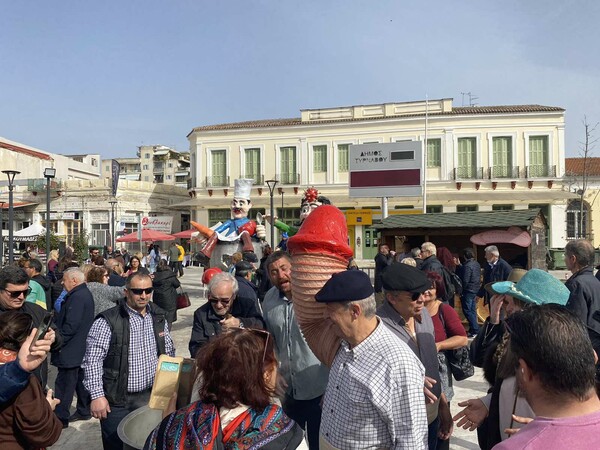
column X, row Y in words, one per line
column 469, row 308
column 108, row 426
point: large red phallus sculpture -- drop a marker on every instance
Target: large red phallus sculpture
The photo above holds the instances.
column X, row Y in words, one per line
column 319, row 249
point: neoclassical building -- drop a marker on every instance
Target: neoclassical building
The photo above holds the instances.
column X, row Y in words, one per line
column 480, row 158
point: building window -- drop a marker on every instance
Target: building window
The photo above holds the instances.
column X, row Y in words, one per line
column 467, row 158
column 253, row 164
column 343, row 157
column 434, row 209
column 146, row 167
column 170, row 165
column 290, row 216
column 218, row 215
column 434, row 152
column 502, row 157
column 169, row 177
column 320, row 158
column 107, row 169
column 577, row 220
column 538, row 156
column 288, row 174
column 147, row 155
column 219, row 168
column 503, row 207
column 146, row 178
column 466, row 208
column 94, row 162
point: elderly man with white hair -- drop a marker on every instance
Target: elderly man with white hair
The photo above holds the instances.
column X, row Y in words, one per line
column 224, row 309
column 74, row 322
column 495, row 270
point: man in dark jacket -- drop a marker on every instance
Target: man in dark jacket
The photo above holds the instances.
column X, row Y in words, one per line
column 223, row 311
column 584, row 300
column 382, row 260
column 469, row 272
column 74, row 321
column 246, row 288
column 430, row 261
column 496, row 269
column 14, row 286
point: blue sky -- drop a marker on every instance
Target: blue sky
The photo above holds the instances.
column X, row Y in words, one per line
column 105, row 77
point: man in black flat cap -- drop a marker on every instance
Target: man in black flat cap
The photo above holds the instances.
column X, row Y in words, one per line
column 404, row 313
column 374, row 397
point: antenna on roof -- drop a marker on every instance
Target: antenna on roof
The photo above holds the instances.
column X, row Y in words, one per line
column 472, row 98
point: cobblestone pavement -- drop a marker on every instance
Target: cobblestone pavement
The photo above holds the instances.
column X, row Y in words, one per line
column 86, row 435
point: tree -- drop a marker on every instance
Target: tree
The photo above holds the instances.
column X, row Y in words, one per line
column 585, row 151
column 54, row 241
column 80, row 246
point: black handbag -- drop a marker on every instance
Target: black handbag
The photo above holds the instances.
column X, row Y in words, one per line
column 458, row 359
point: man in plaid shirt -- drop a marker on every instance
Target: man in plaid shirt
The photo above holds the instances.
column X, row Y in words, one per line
column 121, row 356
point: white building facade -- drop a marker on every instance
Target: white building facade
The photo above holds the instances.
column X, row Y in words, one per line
column 478, row 159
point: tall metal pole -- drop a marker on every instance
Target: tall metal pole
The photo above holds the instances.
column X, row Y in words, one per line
column 112, row 223
column 48, row 246
column 272, row 184
column 10, row 224
column 11, row 178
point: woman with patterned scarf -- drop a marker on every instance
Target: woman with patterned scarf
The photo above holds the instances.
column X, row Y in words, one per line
column 238, row 371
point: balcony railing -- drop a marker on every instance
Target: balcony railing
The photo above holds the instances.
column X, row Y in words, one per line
column 216, row 181
column 504, row 172
column 468, row 173
column 541, row 171
column 288, row 178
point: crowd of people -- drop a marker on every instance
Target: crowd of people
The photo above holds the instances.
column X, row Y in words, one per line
column 388, row 386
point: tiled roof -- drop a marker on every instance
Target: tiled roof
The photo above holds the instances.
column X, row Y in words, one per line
column 25, row 151
column 456, row 111
column 575, row 166
column 479, row 219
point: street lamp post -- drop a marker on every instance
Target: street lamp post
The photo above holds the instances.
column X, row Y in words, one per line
column 272, row 184
column 11, row 178
column 112, row 202
column 2, row 234
column 49, row 173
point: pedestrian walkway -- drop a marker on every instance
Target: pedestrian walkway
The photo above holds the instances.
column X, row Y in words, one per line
column 86, row 435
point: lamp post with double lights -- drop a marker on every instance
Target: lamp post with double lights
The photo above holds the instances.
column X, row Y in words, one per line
column 272, row 184
column 11, row 174
column 112, row 202
column 49, row 173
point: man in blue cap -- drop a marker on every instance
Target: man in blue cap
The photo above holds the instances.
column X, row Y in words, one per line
column 374, row 397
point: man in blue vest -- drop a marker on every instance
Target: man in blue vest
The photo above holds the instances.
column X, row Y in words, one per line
column 121, row 356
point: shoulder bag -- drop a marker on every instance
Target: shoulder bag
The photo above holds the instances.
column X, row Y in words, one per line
column 458, row 359
column 183, row 299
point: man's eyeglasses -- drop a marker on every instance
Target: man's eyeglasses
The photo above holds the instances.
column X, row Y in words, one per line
column 222, row 301
column 415, row 295
column 138, row 291
column 17, row 294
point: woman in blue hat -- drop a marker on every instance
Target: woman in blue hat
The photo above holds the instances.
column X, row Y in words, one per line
column 492, row 414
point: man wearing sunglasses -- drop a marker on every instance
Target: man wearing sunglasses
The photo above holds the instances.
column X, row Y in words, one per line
column 121, row 356
column 14, row 289
column 404, row 313
column 224, row 310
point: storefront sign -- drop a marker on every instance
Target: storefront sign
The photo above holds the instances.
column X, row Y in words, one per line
column 359, row 217
column 164, row 224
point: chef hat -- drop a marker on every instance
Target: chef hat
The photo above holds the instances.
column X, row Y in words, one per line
column 242, row 188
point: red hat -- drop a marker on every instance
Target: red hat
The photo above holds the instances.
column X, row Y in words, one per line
column 209, row 273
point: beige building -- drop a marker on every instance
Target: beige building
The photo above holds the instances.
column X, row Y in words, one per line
column 478, row 159
column 154, row 164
